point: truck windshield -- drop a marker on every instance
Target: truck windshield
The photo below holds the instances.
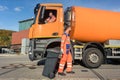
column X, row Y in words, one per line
column 67, row 17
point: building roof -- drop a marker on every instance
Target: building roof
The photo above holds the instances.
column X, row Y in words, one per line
column 26, row 20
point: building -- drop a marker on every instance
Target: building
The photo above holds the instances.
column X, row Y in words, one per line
column 21, row 36
column 25, row 24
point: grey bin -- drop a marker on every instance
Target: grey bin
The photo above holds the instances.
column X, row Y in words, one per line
column 51, row 63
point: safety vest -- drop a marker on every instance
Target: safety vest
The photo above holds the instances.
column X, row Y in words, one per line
column 65, row 43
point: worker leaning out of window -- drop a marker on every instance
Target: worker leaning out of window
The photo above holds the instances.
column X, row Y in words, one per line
column 51, row 18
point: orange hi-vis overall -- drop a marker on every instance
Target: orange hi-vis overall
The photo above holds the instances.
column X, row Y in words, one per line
column 66, row 55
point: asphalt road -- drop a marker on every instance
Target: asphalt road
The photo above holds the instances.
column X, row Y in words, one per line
column 18, row 67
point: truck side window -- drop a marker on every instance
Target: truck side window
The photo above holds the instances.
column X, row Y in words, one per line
column 49, row 16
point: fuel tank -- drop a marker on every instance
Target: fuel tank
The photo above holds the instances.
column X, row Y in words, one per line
column 92, row 25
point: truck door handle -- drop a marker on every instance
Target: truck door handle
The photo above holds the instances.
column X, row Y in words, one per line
column 55, row 34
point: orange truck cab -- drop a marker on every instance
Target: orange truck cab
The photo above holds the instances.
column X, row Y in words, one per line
column 94, row 34
column 45, row 35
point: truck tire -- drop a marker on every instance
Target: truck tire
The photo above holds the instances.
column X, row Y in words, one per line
column 92, row 58
column 30, row 54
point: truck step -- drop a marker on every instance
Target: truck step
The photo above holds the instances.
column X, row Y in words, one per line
column 40, row 49
column 113, row 57
column 41, row 46
column 78, row 55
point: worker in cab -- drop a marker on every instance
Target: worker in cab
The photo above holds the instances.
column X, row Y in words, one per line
column 66, row 57
column 51, row 18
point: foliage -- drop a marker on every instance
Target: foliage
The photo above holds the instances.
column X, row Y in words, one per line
column 5, row 37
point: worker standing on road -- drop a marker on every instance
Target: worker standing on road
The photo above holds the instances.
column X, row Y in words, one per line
column 66, row 54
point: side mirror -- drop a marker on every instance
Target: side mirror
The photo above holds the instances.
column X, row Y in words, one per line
column 36, row 9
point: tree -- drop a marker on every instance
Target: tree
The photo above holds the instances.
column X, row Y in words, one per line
column 5, row 37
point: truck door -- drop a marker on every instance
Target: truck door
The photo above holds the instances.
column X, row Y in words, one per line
column 49, row 28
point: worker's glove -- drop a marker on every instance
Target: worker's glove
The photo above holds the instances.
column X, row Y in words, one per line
column 60, row 56
column 61, row 52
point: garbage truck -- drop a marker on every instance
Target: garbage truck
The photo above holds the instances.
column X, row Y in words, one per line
column 95, row 34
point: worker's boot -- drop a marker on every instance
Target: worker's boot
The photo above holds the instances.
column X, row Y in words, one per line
column 62, row 74
column 71, row 72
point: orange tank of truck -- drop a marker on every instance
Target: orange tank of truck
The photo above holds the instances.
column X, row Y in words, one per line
column 94, row 25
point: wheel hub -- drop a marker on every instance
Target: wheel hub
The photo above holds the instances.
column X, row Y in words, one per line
column 93, row 58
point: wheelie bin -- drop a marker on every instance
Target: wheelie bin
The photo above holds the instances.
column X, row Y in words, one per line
column 51, row 63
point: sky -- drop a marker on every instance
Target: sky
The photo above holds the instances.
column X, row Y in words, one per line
column 13, row 11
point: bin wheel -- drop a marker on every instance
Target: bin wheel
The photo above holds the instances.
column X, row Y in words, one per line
column 51, row 75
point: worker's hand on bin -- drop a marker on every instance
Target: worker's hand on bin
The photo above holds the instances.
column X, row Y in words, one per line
column 61, row 52
column 60, row 56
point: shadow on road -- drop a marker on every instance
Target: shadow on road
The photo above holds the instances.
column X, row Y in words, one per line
column 113, row 62
column 80, row 63
column 41, row 62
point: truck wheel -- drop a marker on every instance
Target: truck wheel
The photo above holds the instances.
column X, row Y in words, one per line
column 92, row 58
column 30, row 54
